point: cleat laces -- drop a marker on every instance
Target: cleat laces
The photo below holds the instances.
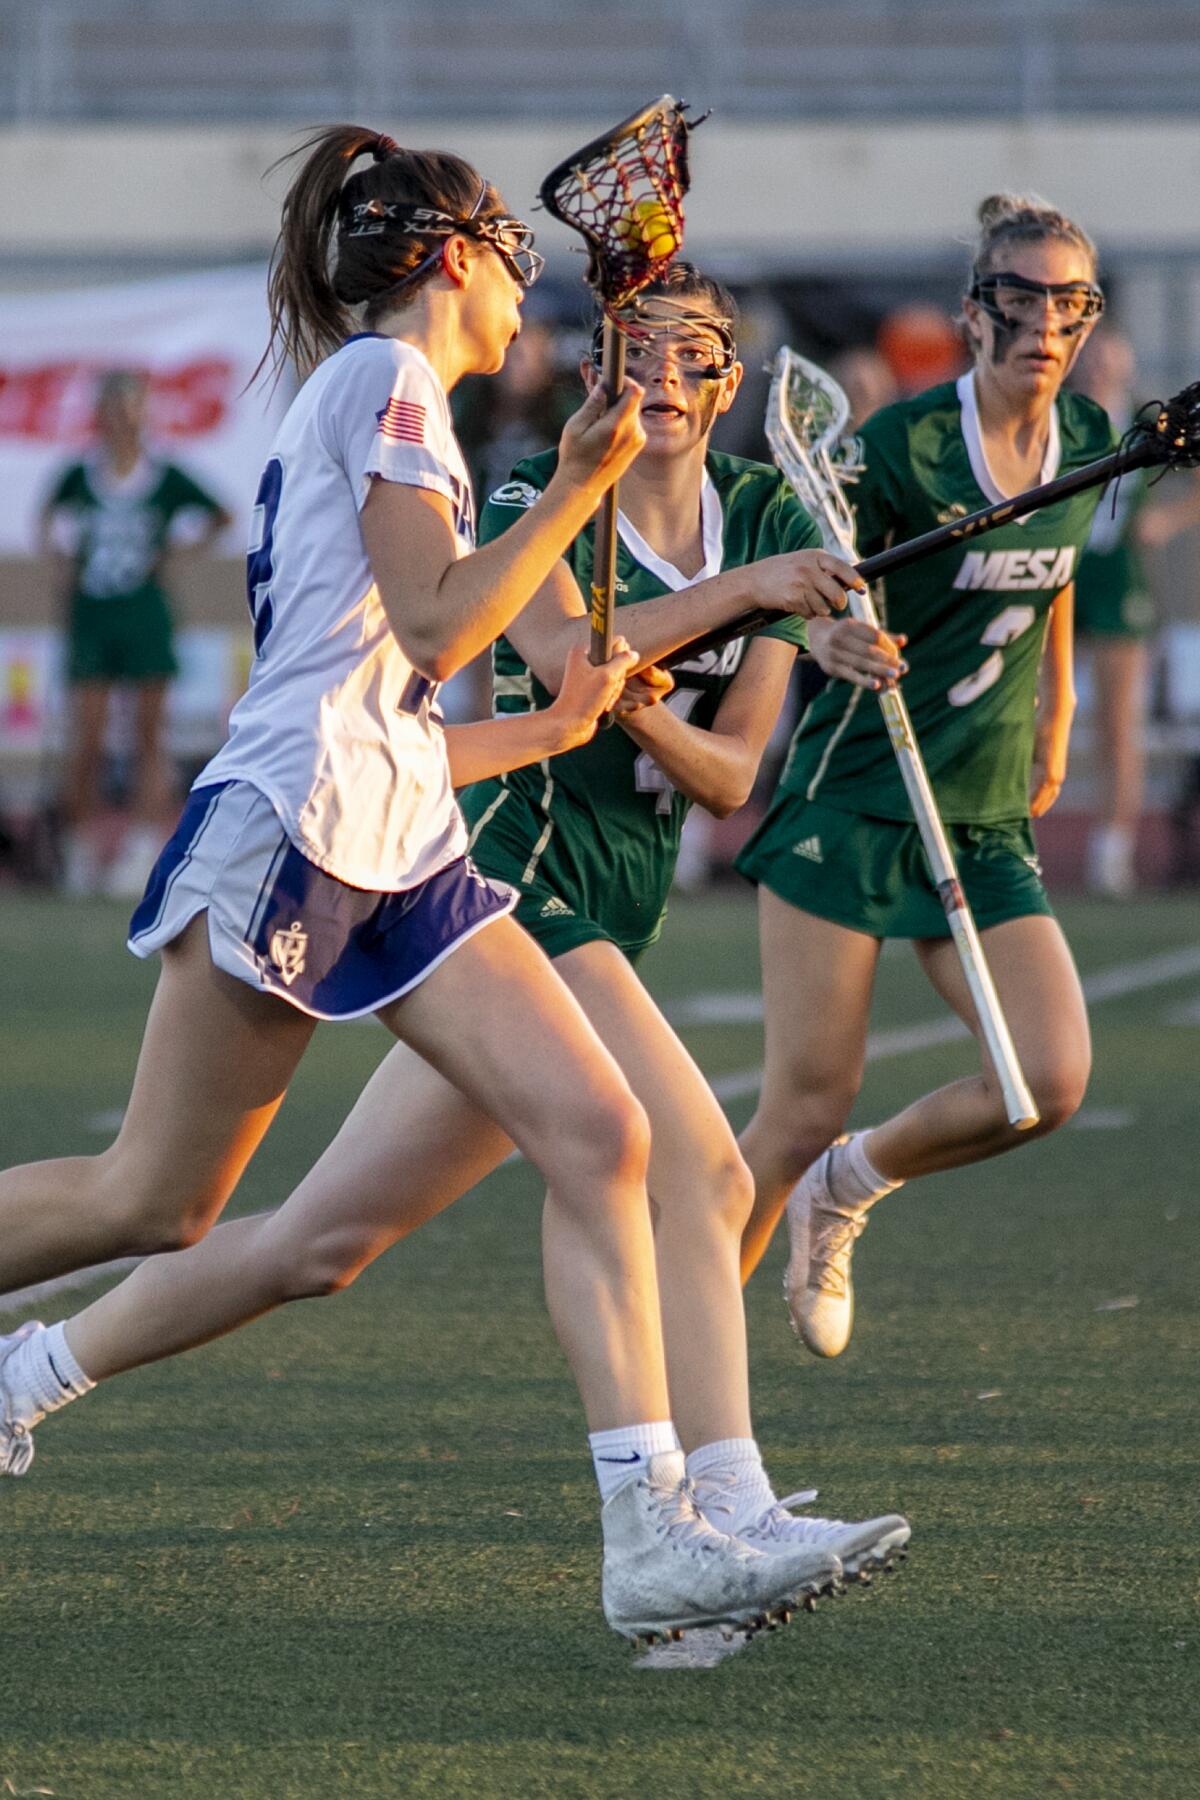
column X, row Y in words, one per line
column 776, row 1523
column 16, row 1448
column 677, row 1516
column 832, row 1243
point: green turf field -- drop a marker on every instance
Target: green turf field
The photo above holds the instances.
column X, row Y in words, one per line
column 353, row 1551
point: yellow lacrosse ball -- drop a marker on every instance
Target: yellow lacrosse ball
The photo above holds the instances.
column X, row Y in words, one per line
column 648, row 226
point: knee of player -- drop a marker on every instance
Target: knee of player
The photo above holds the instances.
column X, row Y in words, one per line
column 812, row 1121
column 615, row 1134
column 1058, row 1093
column 295, row 1269
column 729, row 1189
column 144, row 1216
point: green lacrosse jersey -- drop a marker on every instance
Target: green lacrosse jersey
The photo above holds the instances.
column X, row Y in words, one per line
column 975, row 614
column 118, row 529
column 601, row 825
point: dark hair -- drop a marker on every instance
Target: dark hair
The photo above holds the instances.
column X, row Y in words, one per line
column 1022, row 219
column 684, row 281
column 322, row 267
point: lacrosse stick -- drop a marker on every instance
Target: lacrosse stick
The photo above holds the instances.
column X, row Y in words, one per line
column 807, row 414
column 1165, row 435
column 623, row 193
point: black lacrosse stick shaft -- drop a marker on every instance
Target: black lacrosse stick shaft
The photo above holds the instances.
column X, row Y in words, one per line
column 1139, row 455
column 604, row 548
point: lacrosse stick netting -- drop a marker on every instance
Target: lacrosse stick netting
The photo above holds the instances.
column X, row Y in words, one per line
column 807, row 415
column 623, row 193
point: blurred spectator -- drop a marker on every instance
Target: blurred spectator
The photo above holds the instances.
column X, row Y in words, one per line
column 1114, row 615
column 107, row 527
column 921, row 346
column 866, row 379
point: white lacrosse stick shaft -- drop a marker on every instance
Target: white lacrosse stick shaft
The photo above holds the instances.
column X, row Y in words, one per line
column 810, row 468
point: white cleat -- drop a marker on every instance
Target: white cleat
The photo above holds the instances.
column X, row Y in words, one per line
column 667, row 1569
column 861, row 1546
column 817, row 1285
column 18, row 1413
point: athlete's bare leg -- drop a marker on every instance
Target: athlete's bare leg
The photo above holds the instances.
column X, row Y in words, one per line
column 816, row 1001
column 88, row 713
column 563, row 1101
column 1041, row 998
column 700, row 1194
column 215, row 1063
column 153, row 797
column 363, row 1195
column 1119, row 668
column 818, row 979
column 411, row 1145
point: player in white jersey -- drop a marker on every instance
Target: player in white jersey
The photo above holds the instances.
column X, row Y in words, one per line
column 319, row 868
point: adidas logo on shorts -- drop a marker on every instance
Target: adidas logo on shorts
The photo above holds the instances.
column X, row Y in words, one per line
column 557, row 909
column 810, row 848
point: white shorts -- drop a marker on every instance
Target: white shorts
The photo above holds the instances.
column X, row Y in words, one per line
column 282, row 925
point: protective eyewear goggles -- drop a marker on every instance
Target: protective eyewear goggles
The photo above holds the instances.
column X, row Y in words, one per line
column 699, row 348
column 1014, row 300
column 509, row 237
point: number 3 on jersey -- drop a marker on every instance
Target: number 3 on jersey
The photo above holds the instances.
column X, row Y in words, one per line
column 260, row 569
column 1005, row 628
column 646, row 772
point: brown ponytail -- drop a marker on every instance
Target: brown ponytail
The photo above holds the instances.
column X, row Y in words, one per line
column 322, row 267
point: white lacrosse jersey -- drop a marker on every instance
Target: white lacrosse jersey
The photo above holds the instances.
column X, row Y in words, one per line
column 336, row 727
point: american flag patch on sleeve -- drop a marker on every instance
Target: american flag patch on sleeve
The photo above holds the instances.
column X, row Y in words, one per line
column 403, row 421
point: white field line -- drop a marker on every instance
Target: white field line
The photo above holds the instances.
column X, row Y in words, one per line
column 1105, row 984
column 711, row 1009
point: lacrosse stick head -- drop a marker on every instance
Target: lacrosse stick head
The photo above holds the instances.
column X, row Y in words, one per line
column 1167, row 432
column 807, row 416
column 623, row 193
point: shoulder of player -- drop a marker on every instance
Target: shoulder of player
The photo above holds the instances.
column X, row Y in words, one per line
column 529, row 478
column 740, row 479
column 891, row 423
column 371, row 357
column 1087, row 431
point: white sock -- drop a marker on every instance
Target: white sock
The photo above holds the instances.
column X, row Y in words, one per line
column 41, row 1375
column 854, row 1179
column 619, row 1454
column 732, row 1485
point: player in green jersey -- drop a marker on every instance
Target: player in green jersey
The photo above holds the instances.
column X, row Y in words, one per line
column 1114, row 615
column 838, row 859
column 107, row 527
column 591, row 840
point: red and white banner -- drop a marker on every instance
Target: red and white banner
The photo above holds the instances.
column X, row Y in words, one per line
column 198, row 338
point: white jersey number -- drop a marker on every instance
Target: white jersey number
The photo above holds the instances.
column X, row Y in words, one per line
column 1005, row 628
column 646, row 772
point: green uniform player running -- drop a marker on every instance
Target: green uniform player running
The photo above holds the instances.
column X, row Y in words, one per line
column 838, row 858
column 839, row 840
column 591, row 839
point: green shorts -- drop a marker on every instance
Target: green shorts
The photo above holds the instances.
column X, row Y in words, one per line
column 552, row 919
column 554, row 924
column 121, row 640
column 871, row 874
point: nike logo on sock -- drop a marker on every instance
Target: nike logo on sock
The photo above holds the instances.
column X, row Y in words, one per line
column 636, row 1457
